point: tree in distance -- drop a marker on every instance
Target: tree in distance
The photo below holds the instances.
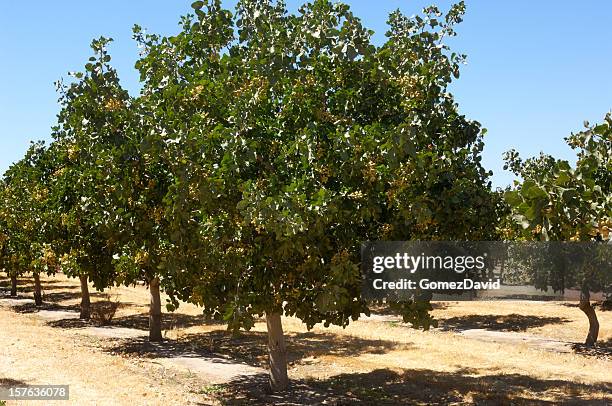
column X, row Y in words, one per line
column 117, row 183
column 24, row 217
column 558, row 202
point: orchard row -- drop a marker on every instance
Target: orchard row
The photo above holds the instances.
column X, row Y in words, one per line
column 263, row 148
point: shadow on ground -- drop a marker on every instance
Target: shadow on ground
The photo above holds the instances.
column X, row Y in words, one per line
column 32, row 308
column 8, row 383
column 52, row 301
column 27, row 285
column 603, row 349
column 169, row 321
column 251, row 347
column 421, row 386
column 140, row 321
column 539, row 298
column 387, row 310
column 495, row 322
column 602, row 306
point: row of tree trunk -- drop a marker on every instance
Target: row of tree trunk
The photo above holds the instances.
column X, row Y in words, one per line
column 155, row 313
column 277, row 348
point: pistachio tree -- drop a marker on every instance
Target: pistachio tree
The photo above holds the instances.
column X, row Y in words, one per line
column 5, row 244
column 291, row 139
column 140, row 178
column 90, row 128
column 121, row 182
column 23, row 212
column 556, row 201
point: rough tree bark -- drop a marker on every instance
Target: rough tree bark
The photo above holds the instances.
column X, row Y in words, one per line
column 13, row 285
column 279, row 381
column 587, row 308
column 37, row 290
column 85, row 300
column 155, row 314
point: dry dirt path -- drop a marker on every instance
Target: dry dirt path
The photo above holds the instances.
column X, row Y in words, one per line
column 33, row 353
column 486, row 335
column 511, row 337
column 492, row 336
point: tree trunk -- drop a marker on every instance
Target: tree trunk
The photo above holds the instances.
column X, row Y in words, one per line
column 155, row 313
column 585, row 306
column 279, row 381
column 13, row 285
column 85, row 300
column 37, row 290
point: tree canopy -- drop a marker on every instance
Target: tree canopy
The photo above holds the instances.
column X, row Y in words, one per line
column 557, row 202
column 263, row 149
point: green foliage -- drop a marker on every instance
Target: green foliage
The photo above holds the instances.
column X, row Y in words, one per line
column 560, row 203
column 24, row 215
column 292, row 138
column 263, row 149
column 90, row 128
column 555, row 202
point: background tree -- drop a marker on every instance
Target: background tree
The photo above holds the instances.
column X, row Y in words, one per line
column 140, row 179
column 89, row 130
column 5, row 244
column 79, row 249
column 120, row 180
column 558, row 202
column 24, row 215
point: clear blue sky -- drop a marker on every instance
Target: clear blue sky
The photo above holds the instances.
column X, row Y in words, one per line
column 536, row 69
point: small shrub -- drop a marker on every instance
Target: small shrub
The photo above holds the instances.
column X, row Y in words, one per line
column 103, row 311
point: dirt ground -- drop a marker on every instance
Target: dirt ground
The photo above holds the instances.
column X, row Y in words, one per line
column 513, row 352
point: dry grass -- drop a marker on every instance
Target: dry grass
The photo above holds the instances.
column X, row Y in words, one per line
column 378, row 361
column 562, row 321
